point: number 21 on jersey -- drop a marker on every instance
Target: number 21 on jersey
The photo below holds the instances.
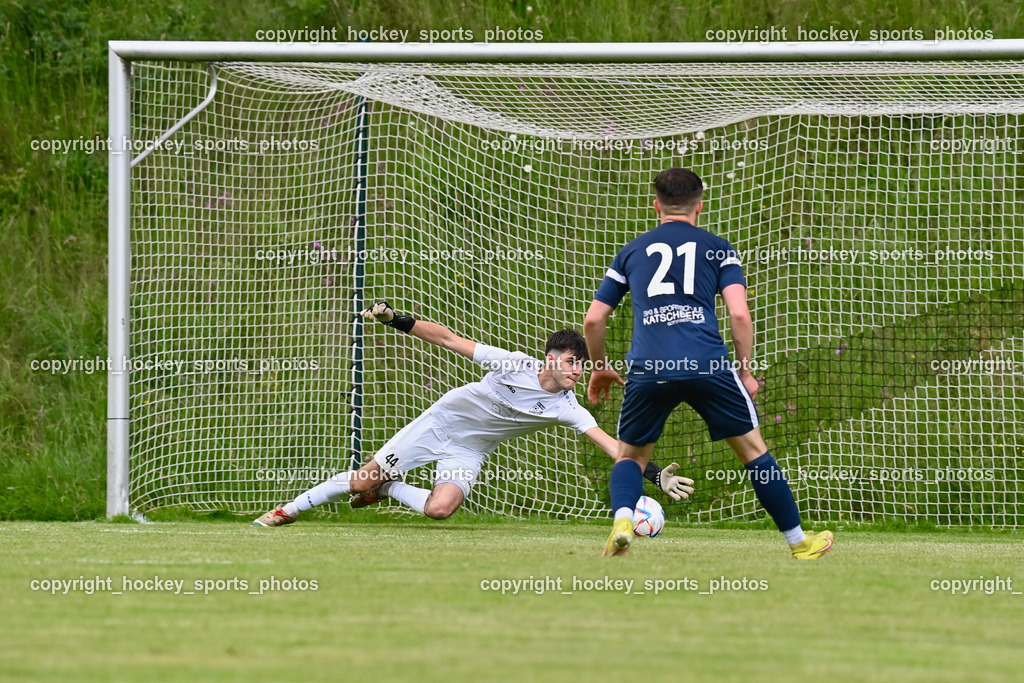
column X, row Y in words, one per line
column 658, row 285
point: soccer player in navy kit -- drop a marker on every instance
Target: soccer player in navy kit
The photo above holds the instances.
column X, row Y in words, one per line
column 677, row 355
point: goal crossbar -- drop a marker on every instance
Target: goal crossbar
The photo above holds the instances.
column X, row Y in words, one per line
column 814, row 51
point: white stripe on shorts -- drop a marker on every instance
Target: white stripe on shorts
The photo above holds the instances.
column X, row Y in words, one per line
column 750, row 403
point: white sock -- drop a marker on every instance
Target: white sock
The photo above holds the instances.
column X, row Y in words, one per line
column 416, row 498
column 327, row 492
column 623, row 512
column 291, row 509
column 794, row 535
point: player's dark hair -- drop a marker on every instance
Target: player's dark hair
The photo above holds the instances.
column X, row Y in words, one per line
column 678, row 190
column 568, row 340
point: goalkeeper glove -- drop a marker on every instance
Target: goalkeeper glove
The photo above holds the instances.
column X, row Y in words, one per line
column 383, row 313
column 668, row 481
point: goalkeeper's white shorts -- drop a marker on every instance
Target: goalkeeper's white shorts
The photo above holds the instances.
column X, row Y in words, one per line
column 422, row 442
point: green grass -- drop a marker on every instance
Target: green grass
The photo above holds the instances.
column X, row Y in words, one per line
column 403, row 601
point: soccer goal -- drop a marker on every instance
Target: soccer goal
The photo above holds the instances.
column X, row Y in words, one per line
column 260, row 195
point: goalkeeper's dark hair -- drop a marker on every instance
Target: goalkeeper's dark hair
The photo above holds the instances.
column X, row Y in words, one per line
column 568, row 340
column 678, row 190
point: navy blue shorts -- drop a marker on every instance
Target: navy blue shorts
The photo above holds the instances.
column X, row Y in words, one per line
column 721, row 399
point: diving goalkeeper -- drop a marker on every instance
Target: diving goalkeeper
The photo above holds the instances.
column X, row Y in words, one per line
column 519, row 395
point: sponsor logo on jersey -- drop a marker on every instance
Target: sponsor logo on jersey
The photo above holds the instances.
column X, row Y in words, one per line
column 674, row 314
column 502, row 407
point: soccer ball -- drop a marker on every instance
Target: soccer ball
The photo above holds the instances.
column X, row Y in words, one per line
column 648, row 518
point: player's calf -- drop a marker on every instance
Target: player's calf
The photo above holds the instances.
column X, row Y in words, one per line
column 367, row 478
column 443, row 501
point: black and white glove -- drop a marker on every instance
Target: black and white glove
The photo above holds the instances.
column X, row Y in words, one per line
column 383, row 313
column 679, row 488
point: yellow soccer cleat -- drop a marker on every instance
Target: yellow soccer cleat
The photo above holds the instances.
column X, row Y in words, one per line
column 814, row 546
column 620, row 538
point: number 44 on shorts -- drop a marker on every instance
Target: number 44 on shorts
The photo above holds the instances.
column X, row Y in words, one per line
column 391, row 460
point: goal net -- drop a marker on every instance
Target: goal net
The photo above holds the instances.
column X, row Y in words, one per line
column 876, row 208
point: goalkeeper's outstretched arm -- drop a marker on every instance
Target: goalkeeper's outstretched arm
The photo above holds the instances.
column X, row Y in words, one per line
column 427, row 331
column 666, row 479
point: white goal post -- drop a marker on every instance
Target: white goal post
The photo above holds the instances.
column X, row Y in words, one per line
column 261, row 194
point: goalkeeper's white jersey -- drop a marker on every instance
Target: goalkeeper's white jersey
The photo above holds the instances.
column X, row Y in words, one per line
column 508, row 402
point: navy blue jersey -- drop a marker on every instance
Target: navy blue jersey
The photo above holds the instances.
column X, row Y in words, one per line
column 674, row 272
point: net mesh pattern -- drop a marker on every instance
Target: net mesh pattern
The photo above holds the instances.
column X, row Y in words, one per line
column 875, row 208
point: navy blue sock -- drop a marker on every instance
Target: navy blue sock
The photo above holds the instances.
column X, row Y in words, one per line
column 773, row 491
column 626, row 484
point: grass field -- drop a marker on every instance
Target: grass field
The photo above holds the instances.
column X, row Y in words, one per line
column 403, row 601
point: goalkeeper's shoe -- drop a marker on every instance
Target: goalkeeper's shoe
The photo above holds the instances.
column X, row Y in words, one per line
column 620, row 538
column 371, row 497
column 813, row 546
column 275, row 517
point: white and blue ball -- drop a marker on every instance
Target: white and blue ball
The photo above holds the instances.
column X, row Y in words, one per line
column 648, row 518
